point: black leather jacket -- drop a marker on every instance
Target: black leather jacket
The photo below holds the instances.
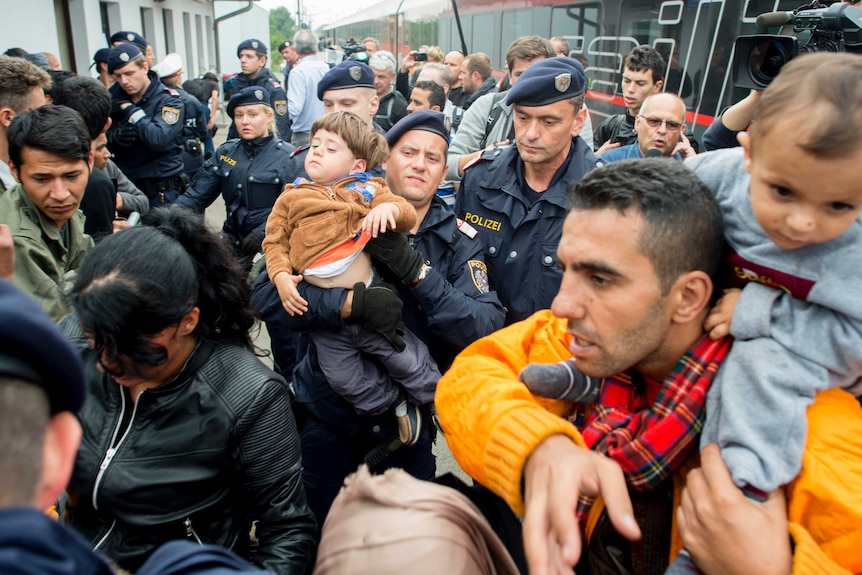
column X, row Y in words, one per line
column 199, row 457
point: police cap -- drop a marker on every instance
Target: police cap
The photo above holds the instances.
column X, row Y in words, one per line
column 426, row 120
column 285, row 44
column 252, row 44
column 246, row 97
column 170, row 66
column 548, row 81
column 126, row 36
column 33, row 349
column 101, row 55
column 122, row 54
column 348, row 74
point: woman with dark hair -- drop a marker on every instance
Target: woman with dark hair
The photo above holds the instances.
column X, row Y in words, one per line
column 186, row 433
column 249, row 173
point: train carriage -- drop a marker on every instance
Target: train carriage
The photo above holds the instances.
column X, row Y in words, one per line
column 696, row 37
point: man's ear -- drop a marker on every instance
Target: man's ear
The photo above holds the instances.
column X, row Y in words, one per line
column 374, row 105
column 62, row 437
column 6, row 115
column 107, row 127
column 90, row 160
column 14, row 171
column 578, row 123
column 691, row 294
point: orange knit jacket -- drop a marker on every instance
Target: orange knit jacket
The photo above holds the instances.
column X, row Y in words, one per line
column 493, row 423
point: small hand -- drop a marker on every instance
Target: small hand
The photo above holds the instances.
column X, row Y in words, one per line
column 607, row 146
column 717, row 323
column 726, row 532
column 378, row 218
column 293, row 303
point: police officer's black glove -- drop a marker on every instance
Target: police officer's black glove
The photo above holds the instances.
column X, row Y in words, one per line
column 123, row 135
column 251, row 244
column 378, row 309
column 394, row 251
column 117, row 112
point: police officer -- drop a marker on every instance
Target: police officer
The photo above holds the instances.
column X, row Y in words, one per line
column 516, row 197
column 249, row 172
column 147, row 126
column 129, row 37
column 170, row 71
column 440, row 276
column 253, row 58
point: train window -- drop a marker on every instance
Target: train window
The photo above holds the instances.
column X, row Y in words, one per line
column 578, row 24
column 483, row 37
column 697, row 65
column 516, row 23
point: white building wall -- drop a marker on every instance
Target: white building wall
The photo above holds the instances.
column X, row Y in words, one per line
column 182, row 26
column 251, row 24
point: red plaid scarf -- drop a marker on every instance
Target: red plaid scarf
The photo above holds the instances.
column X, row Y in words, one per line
column 650, row 442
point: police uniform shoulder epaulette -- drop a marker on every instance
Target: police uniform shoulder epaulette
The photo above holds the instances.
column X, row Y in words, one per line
column 485, row 156
column 466, row 229
column 299, row 150
column 275, row 84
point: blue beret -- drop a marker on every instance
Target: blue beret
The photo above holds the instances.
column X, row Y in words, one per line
column 285, row 44
column 548, row 81
column 427, row 120
column 126, row 36
column 120, row 55
column 348, row 74
column 101, row 55
column 246, row 97
column 252, row 44
column 33, row 348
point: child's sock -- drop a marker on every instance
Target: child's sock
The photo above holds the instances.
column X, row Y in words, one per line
column 560, row 380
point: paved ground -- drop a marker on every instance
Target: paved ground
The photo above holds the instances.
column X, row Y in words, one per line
column 215, row 217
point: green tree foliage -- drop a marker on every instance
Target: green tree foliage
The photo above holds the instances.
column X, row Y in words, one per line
column 282, row 27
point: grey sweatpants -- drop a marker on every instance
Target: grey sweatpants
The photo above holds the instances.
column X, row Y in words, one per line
column 370, row 390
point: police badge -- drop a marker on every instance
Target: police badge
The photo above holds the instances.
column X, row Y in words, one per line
column 258, row 94
column 562, row 82
column 170, row 115
column 130, row 37
column 255, row 45
column 280, row 107
column 355, row 73
column 124, row 57
column 447, row 124
column 479, row 274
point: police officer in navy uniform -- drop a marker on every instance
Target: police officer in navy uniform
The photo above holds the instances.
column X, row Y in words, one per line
column 249, row 172
column 148, row 122
column 127, row 36
column 170, row 71
column 253, row 58
column 516, row 197
column 440, row 276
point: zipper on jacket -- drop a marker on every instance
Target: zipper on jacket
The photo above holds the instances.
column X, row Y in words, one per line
column 109, row 454
column 190, row 531
column 105, row 536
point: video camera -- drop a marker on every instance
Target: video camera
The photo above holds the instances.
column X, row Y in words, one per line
column 810, row 28
column 354, row 51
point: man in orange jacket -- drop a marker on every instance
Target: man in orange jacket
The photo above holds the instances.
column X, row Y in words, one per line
column 639, row 251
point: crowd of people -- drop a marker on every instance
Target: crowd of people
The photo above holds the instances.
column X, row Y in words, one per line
column 639, row 346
